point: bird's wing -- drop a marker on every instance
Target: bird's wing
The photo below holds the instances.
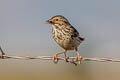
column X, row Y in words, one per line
column 74, row 32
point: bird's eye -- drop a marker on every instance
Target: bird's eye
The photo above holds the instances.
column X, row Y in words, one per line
column 56, row 19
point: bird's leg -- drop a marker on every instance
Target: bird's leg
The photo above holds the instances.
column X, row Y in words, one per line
column 65, row 56
column 79, row 58
column 55, row 59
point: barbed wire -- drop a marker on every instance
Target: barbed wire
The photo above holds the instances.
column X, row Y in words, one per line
column 69, row 59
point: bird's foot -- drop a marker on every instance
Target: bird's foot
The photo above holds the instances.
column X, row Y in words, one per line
column 79, row 58
column 55, row 59
column 66, row 59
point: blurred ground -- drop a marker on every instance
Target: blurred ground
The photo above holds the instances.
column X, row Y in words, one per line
column 46, row 70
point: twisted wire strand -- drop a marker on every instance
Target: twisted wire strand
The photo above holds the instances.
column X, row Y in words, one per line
column 62, row 58
column 69, row 59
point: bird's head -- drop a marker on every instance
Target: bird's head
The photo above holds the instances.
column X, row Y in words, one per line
column 58, row 19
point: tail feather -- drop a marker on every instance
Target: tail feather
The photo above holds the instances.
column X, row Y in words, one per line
column 82, row 39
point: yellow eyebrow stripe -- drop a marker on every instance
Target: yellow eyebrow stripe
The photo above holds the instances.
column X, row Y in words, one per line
column 54, row 18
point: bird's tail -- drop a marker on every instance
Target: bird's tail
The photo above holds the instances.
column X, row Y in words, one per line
column 81, row 38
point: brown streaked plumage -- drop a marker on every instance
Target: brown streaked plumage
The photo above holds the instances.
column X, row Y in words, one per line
column 65, row 35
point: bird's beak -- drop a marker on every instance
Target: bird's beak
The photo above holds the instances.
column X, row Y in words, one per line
column 49, row 22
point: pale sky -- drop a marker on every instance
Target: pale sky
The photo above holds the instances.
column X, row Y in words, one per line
column 23, row 29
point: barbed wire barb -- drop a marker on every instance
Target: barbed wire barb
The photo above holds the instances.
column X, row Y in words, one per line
column 72, row 60
column 2, row 55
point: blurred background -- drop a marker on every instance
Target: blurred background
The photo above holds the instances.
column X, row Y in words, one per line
column 23, row 32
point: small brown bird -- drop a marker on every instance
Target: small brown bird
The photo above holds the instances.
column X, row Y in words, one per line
column 65, row 35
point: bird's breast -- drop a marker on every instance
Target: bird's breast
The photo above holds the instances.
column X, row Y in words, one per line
column 64, row 39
